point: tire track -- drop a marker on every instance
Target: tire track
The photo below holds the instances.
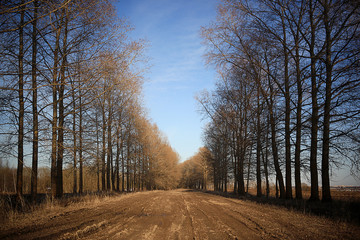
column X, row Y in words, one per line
column 178, row 214
column 222, row 220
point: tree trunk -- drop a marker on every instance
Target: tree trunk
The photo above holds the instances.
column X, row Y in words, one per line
column 134, row 168
column 225, row 178
column 266, row 161
column 54, row 116
column 314, row 114
column 274, row 147
column 103, row 184
column 249, row 167
column 74, row 141
column 275, row 155
column 109, row 151
column 298, row 191
column 234, row 159
column 60, row 153
column 258, row 147
column 241, row 184
column 326, row 195
column 19, row 175
column 81, row 168
column 287, row 113
column 128, row 166
column 122, row 165
column 270, row 105
column 235, row 172
column 35, row 155
column 118, row 147
column 276, row 187
column 97, row 151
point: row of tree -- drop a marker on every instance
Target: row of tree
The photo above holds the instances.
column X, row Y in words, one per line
column 196, row 171
column 287, row 99
column 71, row 83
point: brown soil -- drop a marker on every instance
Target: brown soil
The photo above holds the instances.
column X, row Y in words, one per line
column 177, row 214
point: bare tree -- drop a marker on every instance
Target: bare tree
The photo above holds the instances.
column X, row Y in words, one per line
column 19, row 179
column 35, row 153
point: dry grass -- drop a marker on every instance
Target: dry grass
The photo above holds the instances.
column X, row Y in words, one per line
column 336, row 194
column 344, row 207
column 47, row 207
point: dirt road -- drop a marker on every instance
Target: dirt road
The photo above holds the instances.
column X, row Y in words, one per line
column 177, row 214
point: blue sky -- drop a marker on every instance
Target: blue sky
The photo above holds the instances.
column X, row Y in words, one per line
column 178, row 71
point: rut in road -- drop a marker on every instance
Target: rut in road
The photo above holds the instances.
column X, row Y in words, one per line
column 177, row 214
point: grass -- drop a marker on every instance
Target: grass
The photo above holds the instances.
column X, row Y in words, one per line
column 10, row 212
column 336, row 194
column 344, row 207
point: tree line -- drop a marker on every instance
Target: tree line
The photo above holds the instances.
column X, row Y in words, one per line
column 196, row 172
column 71, row 95
column 286, row 105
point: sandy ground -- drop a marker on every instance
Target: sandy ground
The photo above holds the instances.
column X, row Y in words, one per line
column 178, row 214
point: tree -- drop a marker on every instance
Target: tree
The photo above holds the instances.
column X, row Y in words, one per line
column 287, row 48
column 67, row 81
column 19, row 178
column 35, row 154
column 340, row 37
column 314, row 103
